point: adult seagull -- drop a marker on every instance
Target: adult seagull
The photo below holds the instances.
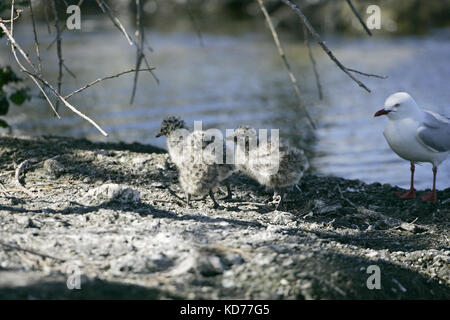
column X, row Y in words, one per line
column 416, row 135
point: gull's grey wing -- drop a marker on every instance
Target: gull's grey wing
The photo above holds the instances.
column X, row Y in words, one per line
column 435, row 132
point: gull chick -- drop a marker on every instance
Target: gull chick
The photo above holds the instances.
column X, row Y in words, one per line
column 416, row 135
column 274, row 165
column 198, row 172
column 199, row 175
column 176, row 133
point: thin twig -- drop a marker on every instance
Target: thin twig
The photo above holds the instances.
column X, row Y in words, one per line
column 319, row 40
column 15, row 247
column 68, row 105
column 359, row 17
column 46, row 16
column 198, row 31
column 21, row 169
column 14, row 45
column 139, row 48
column 34, row 76
column 106, row 9
column 364, row 213
column 36, row 42
column 30, row 166
column 249, row 203
column 58, row 49
column 313, row 62
column 12, row 18
column 56, row 38
column 101, row 79
column 69, row 71
column 64, row 27
column 13, row 49
column 367, row 74
column 285, row 61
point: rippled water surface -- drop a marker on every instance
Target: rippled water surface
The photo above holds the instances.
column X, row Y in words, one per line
column 238, row 78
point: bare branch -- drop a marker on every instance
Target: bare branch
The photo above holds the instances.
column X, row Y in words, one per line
column 367, row 74
column 36, row 42
column 21, row 169
column 30, row 166
column 359, row 17
column 14, row 45
column 69, row 71
column 316, row 36
column 194, row 23
column 106, row 9
column 58, row 49
column 46, row 16
column 12, row 18
column 56, row 38
column 139, row 50
column 67, row 104
column 313, row 62
column 285, row 61
column 42, row 255
column 140, row 54
column 102, row 79
column 63, row 29
column 34, row 76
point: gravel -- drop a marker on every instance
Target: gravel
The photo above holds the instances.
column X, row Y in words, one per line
column 113, row 216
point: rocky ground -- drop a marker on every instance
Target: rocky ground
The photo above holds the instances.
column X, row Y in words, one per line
column 113, row 214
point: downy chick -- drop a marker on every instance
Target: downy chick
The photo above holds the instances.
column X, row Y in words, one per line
column 176, row 133
column 198, row 173
column 274, row 165
column 196, row 178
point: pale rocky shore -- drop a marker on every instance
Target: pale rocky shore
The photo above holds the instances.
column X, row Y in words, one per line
column 115, row 213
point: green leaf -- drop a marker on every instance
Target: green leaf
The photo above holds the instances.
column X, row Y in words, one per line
column 4, row 105
column 19, row 96
column 7, row 76
column 4, row 124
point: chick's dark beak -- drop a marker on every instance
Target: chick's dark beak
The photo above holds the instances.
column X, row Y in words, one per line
column 159, row 135
column 381, row 112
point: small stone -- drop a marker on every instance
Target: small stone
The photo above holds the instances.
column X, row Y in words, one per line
column 157, row 185
column 328, row 209
column 87, row 180
column 210, row 265
column 23, row 221
column 53, row 168
column 111, row 192
column 372, row 254
column 228, row 283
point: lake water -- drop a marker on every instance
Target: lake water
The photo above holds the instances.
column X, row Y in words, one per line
column 238, row 78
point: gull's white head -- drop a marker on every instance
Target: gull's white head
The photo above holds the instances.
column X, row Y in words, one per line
column 398, row 106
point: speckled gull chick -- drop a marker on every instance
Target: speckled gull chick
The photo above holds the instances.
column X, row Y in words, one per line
column 276, row 166
column 176, row 133
column 197, row 175
column 416, row 135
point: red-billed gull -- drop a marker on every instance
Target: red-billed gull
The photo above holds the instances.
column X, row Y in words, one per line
column 416, row 135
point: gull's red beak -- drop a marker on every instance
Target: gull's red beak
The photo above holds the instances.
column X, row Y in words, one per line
column 381, row 112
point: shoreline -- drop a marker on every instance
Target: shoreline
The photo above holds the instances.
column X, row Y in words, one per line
column 114, row 212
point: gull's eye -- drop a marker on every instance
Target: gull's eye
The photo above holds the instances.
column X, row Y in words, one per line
column 397, row 105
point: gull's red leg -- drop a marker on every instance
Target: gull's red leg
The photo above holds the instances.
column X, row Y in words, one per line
column 411, row 194
column 431, row 196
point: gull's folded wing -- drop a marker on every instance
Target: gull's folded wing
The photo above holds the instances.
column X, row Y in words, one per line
column 435, row 132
